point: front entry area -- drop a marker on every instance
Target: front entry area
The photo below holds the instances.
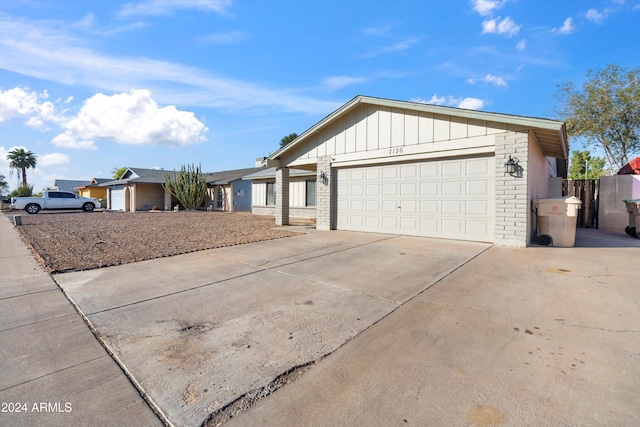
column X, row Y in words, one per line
column 451, row 199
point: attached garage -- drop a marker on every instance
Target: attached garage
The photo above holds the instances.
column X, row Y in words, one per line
column 422, row 170
column 117, row 198
column 449, row 199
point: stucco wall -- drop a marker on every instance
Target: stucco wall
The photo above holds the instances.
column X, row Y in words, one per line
column 148, row 195
column 612, row 212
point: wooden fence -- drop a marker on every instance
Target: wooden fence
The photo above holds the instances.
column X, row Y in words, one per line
column 587, row 192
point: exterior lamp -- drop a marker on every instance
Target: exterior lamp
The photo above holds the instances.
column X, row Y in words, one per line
column 511, row 167
column 324, row 178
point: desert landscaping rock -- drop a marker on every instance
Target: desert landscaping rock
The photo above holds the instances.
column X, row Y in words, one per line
column 83, row 241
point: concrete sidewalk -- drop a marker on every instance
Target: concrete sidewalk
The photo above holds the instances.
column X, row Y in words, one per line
column 53, row 371
column 538, row 336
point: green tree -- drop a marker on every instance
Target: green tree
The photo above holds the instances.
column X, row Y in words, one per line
column 4, row 185
column 189, row 186
column 581, row 161
column 287, row 139
column 116, row 173
column 21, row 159
column 605, row 111
column 22, row 191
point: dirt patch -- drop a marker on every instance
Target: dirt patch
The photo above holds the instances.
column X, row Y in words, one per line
column 82, row 241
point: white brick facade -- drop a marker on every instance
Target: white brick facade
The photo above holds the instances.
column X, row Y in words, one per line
column 324, row 205
column 512, row 204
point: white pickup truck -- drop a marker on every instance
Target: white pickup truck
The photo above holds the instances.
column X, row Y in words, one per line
column 55, row 200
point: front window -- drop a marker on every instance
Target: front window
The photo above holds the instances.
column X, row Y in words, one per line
column 271, row 193
column 310, row 193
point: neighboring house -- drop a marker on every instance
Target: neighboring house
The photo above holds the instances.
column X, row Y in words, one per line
column 302, row 193
column 93, row 188
column 227, row 191
column 139, row 189
column 68, row 184
column 410, row 168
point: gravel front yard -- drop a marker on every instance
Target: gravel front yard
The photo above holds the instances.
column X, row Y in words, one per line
column 81, row 241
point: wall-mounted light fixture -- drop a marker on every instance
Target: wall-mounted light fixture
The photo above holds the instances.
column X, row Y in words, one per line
column 324, row 178
column 511, row 167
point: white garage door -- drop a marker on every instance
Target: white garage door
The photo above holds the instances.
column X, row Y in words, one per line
column 451, row 199
column 117, row 197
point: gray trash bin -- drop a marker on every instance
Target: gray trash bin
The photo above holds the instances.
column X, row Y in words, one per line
column 633, row 208
column 557, row 219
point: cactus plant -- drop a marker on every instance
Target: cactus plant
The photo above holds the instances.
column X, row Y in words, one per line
column 189, row 186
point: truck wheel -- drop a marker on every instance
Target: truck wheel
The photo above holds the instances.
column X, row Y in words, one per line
column 32, row 208
column 88, row 207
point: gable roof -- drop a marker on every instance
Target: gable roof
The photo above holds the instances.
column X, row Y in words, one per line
column 69, row 184
column 225, row 177
column 140, row 176
column 551, row 134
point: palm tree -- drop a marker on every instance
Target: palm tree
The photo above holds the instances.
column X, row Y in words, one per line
column 21, row 159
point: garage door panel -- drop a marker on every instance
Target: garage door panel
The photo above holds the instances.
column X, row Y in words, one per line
column 448, row 198
column 477, row 207
column 429, row 207
column 452, row 168
column 478, row 167
column 452, row 207
column 429, row 189
column 477, row 228
column 476, row 187
column 452, row 226
column 390, row 223
column 452, row 188
column 389, row 206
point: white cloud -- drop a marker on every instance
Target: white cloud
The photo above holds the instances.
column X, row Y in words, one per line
column 471, row 103
column 45, row 51
column 20, row 102
column 339, row 82
column 130, row 118
column 466, row 103
column 66, row 140
column 567, row 27
column 521, row 45
column 53, row 159
column 594, row 16
column 490, row 79
column 496, row 26
column 166, row 7
column 486, row 7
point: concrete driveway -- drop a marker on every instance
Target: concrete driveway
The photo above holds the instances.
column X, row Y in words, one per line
column 198, row 331
column 538, row 336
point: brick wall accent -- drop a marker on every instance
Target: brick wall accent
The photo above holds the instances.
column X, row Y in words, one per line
column 282, row 196
column 324, row 196
column 512, row 202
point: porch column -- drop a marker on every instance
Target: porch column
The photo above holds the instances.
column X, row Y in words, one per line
column 324, row 196
column 282, row 196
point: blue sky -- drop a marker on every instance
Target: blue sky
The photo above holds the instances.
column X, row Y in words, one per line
column 89, row 86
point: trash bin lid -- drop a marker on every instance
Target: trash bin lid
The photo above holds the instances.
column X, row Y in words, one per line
column 571, row 200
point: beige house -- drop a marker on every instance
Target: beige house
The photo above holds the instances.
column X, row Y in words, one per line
column 139, row 189
column 410, row 168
